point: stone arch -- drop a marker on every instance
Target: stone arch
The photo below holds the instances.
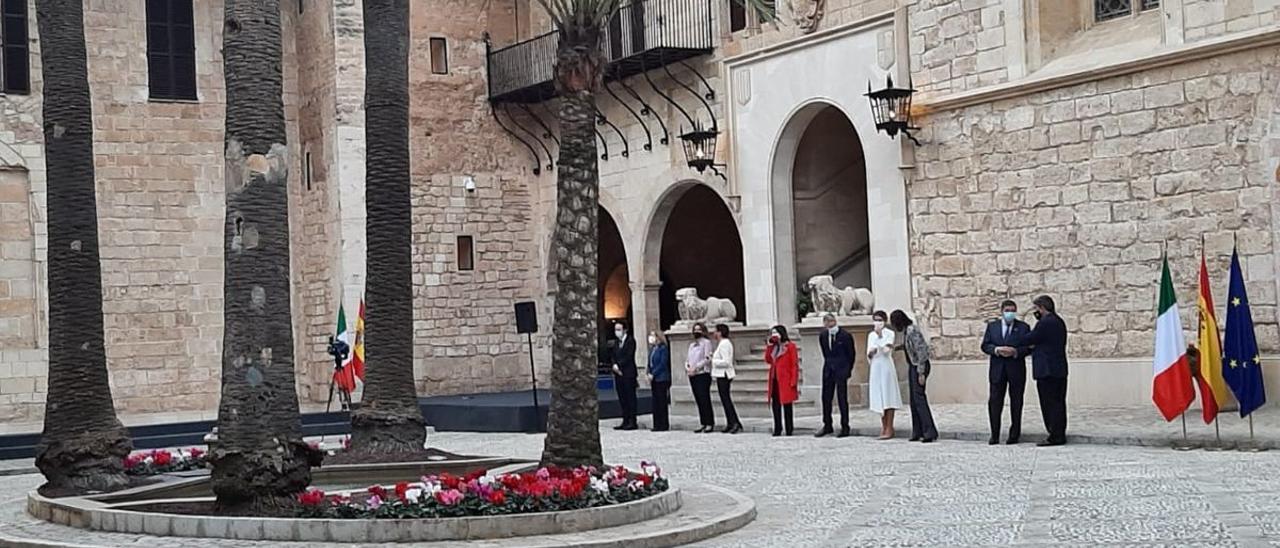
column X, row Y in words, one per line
column 818, row 166
column 613, row 274
column 702, row 211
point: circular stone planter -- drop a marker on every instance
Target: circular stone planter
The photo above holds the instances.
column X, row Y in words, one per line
column 123, row 517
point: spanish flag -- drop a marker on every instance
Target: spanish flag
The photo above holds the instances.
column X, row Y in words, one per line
column 1213, row 389
column 357, row 349
column 1171, row 388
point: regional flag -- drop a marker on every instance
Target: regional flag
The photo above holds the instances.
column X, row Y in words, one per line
column 357, row 350
column 345, row 378
column 1243, row 365
column 1213, row 389
column 1171, row 388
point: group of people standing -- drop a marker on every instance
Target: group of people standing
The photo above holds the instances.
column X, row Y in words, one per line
column 1007, row 340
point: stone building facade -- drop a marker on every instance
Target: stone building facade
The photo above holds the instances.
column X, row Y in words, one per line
column 1065, row 145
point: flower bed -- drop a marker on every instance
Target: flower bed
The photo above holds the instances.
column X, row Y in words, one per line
column 164, row 461
column 482, row 494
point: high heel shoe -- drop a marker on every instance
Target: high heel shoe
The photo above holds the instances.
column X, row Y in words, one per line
column 736, row 428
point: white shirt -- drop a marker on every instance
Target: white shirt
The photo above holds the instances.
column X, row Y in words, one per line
column 722, row 360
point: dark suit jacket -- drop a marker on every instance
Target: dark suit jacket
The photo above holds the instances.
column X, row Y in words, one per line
column 624, row 356
column 1049, row 348
column 1004, row 369
column 837, row 358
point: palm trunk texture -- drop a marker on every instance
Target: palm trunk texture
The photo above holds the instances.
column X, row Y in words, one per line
column 259, row 459
column 83, row 445
column 388, row 419
column 573, row 427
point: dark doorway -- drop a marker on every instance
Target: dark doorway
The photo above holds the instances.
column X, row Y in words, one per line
column 701, row 248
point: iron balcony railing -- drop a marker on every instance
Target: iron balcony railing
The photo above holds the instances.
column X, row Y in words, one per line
column 644, row 35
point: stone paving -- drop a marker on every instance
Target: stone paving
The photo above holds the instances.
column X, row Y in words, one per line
column 863, row 492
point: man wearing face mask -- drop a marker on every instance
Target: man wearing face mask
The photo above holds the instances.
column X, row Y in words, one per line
column 837, row 366
column 1048, row 340
column 624, row 376
column 1007, row 371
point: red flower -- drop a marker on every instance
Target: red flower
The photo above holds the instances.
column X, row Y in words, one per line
column 162, row 458
column 474, row 476
column 378, row 491
column 313, row 497
column 450, row 481
column 645, row 479
column 401, row 489
column 196, row 452
column 346, row 442
column 497, row 498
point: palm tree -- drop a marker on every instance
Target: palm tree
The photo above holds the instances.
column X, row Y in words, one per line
column 573, row 436
column 388, row 419
column 83, row 445
column 259, row 459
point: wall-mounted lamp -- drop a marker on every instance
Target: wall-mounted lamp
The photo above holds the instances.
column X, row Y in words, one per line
column 891, row 108
column 700, row 149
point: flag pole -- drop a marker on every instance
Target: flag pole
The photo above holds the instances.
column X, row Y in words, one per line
column 1217, row 436
column 1252, row 446
column 1185, row 444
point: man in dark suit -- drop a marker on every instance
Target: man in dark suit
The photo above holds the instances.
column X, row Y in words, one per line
column 1049, row 368
column 625, row 376
column 1004, row 342
column 837, row 366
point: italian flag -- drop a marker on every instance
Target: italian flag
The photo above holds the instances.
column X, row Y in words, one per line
column 345, row 379
column 1171, row 388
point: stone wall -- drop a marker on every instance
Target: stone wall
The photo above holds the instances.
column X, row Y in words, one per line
column 465, row 339
column 1076, row 191
column 1213, row 18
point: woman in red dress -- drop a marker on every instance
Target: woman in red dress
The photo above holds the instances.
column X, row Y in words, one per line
column 784, row 372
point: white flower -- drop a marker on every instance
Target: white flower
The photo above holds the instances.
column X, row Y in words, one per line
column 413, row 495
column 148, row 460
column 429, row 489
column 600, row 485
column 486, row 480
column 635, row 485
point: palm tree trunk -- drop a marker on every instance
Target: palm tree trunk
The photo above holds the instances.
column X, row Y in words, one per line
column 259, row 458
column 388, row 419
column 83, row 445
column 573, row 424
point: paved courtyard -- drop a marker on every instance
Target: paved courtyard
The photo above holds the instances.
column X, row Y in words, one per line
column 863, row 492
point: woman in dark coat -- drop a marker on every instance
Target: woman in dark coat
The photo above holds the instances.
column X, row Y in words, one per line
column 784, row 371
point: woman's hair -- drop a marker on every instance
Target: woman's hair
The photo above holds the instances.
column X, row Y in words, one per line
column 899, row 320
column 1045, row 302
column 698, row 326
column 660, row 338
column 879, row 315
column 782, row 333
column 723, row 330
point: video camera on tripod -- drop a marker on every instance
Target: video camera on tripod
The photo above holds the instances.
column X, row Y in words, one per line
column 339, row 349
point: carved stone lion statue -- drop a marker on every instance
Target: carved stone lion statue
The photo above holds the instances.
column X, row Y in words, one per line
column 827, row 298
column 710, row 310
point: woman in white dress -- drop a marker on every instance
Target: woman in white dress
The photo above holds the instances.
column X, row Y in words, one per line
column 886, row 397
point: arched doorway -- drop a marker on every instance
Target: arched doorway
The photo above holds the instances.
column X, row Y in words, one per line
column 693, row 241
column 820, row 206
column 614, row 290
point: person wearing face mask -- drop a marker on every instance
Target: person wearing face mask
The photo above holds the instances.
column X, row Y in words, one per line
column 722, row 368
column 837, row 366
column 698, row 367
column 885, row 396
column 624, row 376
column 784, row 367
column 1048, row 342
column 1003, row 341
column 660, row 380
column 916, row 348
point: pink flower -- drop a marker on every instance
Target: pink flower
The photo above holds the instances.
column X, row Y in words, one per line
column 449, row 497
column 196, row 452
column 374, row 502
column 543, row 473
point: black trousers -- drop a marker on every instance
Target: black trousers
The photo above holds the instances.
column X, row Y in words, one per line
column 1053, row 406
column 661, row 400
column 833, row 385
column 780, row 411
column 626, row 388
column 726, row 401
column 1016, row 387
column 921, row 417
column 701, row 385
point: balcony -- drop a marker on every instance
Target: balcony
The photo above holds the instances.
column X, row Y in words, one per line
column 644, row 35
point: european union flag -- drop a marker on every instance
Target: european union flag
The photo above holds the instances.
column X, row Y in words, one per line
column 1242, row 365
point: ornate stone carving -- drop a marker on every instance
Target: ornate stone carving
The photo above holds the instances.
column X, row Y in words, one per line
column 711, row 310
column 828, row 299
column 807, row 13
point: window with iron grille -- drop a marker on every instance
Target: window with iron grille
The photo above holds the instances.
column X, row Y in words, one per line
column 171, row 50
column 14, row 56
column 1105, row 10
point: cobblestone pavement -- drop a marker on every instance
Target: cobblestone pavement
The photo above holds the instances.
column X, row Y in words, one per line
column 863, row 492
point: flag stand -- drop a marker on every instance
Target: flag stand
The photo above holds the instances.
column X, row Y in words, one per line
column 1185, row 444
column 1217, row 436
column 1252, row 446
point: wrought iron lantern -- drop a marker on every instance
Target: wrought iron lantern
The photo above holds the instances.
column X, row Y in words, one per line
column 891, row 108
column 700, row 148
